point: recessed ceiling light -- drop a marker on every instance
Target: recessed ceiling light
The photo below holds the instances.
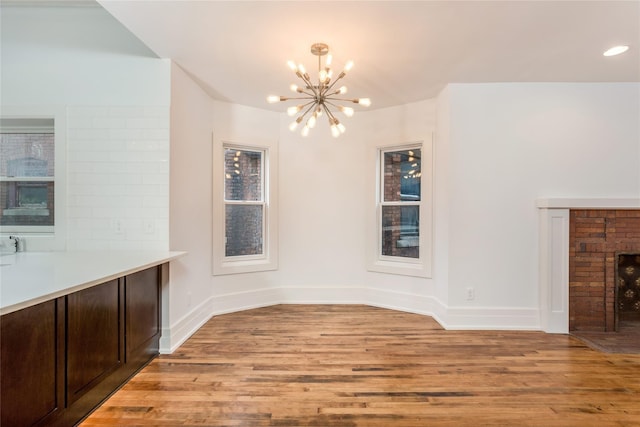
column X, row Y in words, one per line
column 616, row 50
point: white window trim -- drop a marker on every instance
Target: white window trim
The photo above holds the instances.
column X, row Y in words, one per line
column 46, row 238
column 376, row 262
column 268, row 260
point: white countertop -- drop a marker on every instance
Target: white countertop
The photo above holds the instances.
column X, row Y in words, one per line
column 29, row 278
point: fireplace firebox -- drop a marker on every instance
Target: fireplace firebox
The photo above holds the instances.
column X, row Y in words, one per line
column 627, row 295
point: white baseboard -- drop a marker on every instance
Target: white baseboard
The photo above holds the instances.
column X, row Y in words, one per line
column 410, row 303
column 322, row 295
column 457, row 318
column 180, row 331
column 454, row 318
column 492, row 318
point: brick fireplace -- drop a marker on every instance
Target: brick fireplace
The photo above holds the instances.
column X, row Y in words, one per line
column 582, row 241
column 600, row 240
column 596, row 239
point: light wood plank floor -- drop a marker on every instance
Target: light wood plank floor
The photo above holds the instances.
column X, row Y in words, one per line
column 352, row 365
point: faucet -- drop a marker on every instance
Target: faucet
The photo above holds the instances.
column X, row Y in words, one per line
column 18, row 242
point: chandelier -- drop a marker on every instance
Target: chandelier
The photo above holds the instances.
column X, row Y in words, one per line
column 319, row 98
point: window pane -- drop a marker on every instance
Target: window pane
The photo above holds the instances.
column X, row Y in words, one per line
column 401, row 175
column 26, row 203
column 243, row 175
column 243, row 230
column 401, row 231
column 26, row 154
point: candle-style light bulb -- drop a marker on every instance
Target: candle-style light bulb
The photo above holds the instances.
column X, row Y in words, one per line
column 294, row 124
column 365, row 102
column 311, row 122
column 292, row 111
column 347, row 111
column 335, row 132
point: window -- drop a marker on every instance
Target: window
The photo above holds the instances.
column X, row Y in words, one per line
column 244, row 202
column 400, row 203
column 245, row 209
column 400, row 237
column 27, row 171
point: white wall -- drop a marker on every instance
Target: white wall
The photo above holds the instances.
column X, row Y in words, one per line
column 197, row 123
column 510, row 144
column 113, row 96
column 401, row 125
column 76, row 56
column 190, row 208
column 498, row 147
column 322, row 205
column 242, row 125
column 117, row 178
column 491, row 162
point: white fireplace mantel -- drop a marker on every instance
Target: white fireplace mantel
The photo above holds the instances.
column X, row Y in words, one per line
column 554, row 255
column 588, row 203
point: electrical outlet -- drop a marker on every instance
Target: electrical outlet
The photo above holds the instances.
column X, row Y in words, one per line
column 116, row 226
column 471, row 294
column 149, row 226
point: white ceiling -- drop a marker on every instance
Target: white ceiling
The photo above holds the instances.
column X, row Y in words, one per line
column 404, row 51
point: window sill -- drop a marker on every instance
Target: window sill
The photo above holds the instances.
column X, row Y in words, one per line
column 400, row 267
column 243, row 266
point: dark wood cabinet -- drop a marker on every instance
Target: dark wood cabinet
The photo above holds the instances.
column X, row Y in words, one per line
column 142, row 315
column 94, row 340
column 32, row 381
column 62, row 358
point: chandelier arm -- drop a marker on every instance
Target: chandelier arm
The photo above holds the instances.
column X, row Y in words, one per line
column 311, row 94
column 354, row 100
column 310, row 86
column 328, row 101
column 340, row 76
column 335, row 92
column 313, row 104
column 329, row 113
column 311, row 97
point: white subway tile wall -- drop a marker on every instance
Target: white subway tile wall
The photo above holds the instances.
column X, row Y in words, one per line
column 118, row 178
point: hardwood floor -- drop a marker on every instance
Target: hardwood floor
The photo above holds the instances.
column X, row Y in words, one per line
column 351, row 365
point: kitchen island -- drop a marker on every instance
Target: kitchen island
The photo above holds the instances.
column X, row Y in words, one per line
column 75, row 326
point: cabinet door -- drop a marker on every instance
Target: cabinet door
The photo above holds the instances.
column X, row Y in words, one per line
column 142, row 295
column 94, row 337
column 32, row 359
